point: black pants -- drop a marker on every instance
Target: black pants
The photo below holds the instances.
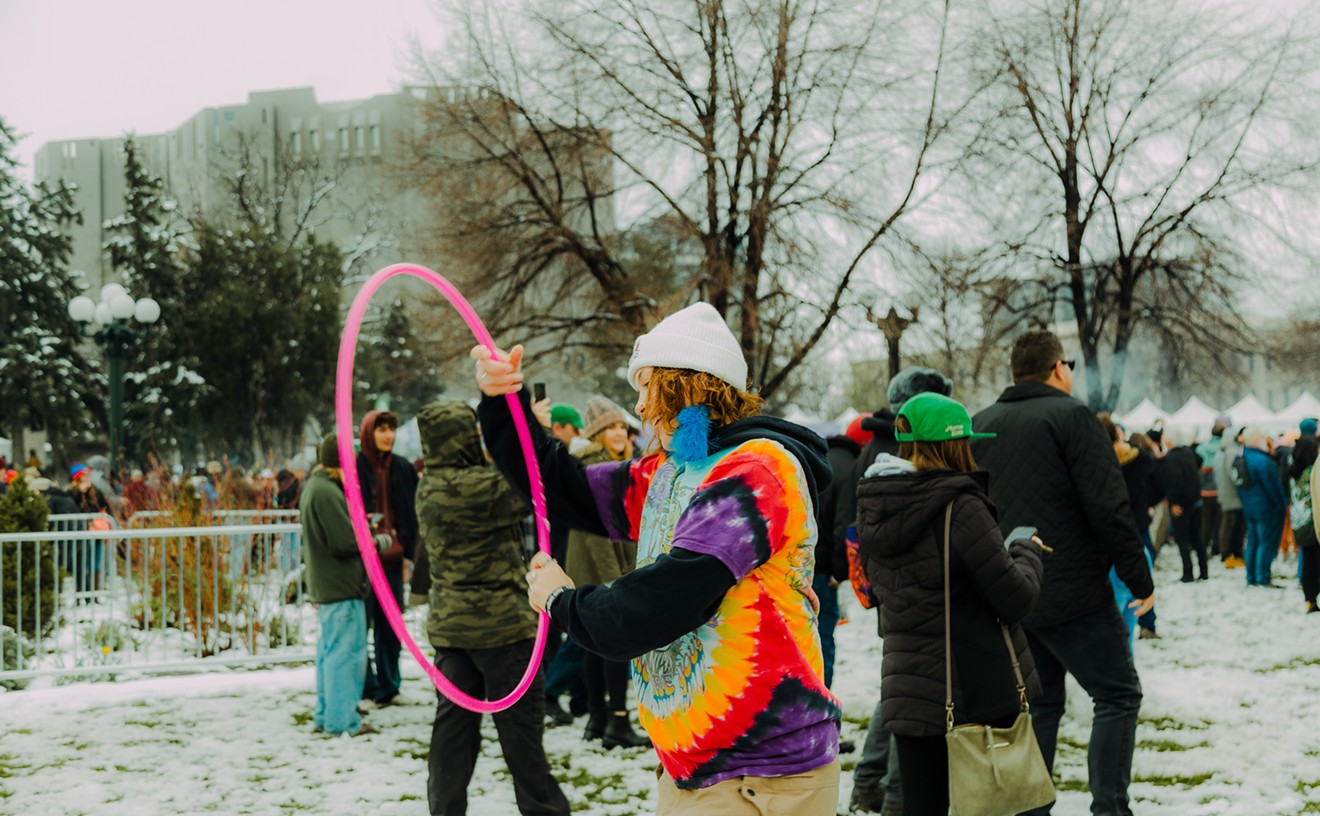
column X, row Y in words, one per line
column 1309, row 550
column 1232, row 533
column 1094, row 648
column 923, row 766
column 383, row 678
column 1187, row 532
column 456, row 734
column 1210, row 523
column 605, row 678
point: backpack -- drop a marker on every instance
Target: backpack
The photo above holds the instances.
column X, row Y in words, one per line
column 1239, row 474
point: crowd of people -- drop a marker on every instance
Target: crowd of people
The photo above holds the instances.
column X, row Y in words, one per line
column 697, row 553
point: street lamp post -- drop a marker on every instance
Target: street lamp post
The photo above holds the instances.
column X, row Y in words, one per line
column 115, row 315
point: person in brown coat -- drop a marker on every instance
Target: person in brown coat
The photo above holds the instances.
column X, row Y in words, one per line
column 901, row 509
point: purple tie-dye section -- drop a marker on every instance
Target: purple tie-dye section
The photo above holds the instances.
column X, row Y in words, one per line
column 723, row 521
column 609, row 485
column 797, row 733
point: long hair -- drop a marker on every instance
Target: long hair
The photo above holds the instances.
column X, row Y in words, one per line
column 952, row 454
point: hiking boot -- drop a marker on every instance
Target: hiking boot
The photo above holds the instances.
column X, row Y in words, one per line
column 556, row 712
column 1311, row 607
column 596, row 721
column 1147, row 634
column 867, row 799
column 619, row 731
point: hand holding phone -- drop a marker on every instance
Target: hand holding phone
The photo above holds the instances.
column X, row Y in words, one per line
column 1018, row 533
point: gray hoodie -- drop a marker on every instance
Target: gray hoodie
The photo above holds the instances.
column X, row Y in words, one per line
column 1228, row 451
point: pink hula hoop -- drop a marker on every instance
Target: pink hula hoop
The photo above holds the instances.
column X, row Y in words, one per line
column 348, row 461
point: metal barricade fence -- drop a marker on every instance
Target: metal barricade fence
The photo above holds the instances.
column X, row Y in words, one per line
column 106, row 601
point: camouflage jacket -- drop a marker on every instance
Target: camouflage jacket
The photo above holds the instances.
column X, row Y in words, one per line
column 470, row 523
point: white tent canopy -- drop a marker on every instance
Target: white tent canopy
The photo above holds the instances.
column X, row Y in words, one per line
column 1251, row 411
column 1143, row 416
column 1304, row 406
column 1195, row 415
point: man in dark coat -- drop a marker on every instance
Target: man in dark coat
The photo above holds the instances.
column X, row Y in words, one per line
column 389, row 487
column 1180, row 473
column 1053, row 468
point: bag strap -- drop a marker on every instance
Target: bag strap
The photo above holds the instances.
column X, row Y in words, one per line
column 948, row 638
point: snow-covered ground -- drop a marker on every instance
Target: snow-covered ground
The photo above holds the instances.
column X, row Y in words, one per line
column 1230, row 727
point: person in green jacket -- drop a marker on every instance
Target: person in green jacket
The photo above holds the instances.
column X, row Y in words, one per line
column 337, row 584
column 470, row 522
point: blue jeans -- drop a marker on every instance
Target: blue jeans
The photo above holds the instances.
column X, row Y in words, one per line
column 878, row 765
column 1094, row 648
column 827, row 619
column 1264, row 531
column 341, row 666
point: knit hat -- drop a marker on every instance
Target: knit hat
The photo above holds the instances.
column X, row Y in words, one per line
column 1308, row 426
column 695, row 338
column 76, row 472
column 328, row 454
column 561, row 413
column 857, row 433
column 914, row 380
column 603, row 412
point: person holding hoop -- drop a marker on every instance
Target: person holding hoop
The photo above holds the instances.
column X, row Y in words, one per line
column 718, row 618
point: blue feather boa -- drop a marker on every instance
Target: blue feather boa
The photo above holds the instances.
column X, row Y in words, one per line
column 691, row 440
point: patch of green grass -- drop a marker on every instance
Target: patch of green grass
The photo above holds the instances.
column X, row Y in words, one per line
column 302, row 718
column 1163, row 745
column 1170, row 724
column 1310, row 807
column 410, row 797
column 126, row 769
column 1072, row 785
column 1295, row 663
column 143, row 723
column 1176, row 780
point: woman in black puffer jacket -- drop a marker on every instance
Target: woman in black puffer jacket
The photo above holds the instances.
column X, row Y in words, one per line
column 900, row 518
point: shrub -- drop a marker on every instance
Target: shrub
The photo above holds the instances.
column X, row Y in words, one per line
column 22, row 511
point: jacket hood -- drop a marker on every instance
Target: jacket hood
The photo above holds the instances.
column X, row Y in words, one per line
column 909, row 503
column 367, row 437
column 804, row 443
column 449, row 435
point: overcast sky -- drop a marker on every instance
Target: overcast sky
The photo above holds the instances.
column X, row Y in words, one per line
column 99, row 68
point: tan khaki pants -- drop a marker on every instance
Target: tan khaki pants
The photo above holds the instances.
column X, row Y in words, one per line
column 815, row 793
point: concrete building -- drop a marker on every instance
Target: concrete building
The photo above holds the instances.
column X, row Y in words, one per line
column 345, row 154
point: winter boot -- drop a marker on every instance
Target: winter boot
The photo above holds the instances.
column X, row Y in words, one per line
column 556, row 713
column 867, row 799
column 619, row 731
column 596, row 720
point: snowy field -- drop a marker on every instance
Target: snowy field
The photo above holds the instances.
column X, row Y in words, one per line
column 1230, row 726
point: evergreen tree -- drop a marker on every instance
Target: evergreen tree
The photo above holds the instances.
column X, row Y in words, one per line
column 263, row 326
column 43, row 375
column 162, row 391
column 392, row 365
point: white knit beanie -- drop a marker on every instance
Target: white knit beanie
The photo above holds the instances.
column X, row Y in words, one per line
column 695, row 338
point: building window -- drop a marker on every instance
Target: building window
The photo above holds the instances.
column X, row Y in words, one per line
column 343, row 140
column 359, row 139
column 296, row 143
column 315, row 136
column 70, row 150
column 375, row 138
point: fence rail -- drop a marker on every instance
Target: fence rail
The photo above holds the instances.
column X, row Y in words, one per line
column 100, row 602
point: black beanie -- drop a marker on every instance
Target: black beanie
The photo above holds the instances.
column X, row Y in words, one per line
column 328, row 455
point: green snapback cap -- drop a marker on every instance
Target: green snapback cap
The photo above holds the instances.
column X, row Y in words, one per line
column 564, row 414
column 936, row 418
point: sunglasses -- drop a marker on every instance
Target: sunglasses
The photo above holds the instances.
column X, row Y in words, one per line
column 1072, row 364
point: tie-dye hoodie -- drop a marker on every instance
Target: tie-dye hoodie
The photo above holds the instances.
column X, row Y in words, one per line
column 717, row 617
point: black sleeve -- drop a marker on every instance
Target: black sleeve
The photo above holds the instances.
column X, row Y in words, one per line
column 569, row 500
column 648, row 608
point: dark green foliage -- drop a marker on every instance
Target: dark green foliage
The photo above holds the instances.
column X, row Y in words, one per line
column 42, row 372
column 263, row 325
column 162, row 389
column 22, row 511
column 391, row 362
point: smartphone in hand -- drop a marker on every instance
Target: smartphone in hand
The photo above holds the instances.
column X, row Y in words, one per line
column 1018, row 533
column 538, row 391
